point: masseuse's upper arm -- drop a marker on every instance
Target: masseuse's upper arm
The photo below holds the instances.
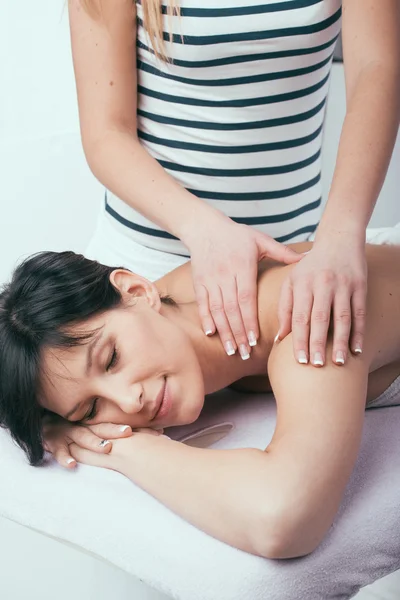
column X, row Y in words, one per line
column 104, row 56
column 371, row 37
column 320, row 414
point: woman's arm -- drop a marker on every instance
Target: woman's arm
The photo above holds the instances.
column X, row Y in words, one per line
column 371, row 45
column 320, row 415
column 333, row 275
column 278, row 503
column 104, row 55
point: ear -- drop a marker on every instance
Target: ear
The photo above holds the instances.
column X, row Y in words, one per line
column 132, row 286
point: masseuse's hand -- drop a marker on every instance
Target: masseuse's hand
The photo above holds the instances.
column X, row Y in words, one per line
column 225, row 258
column 331, row 277
column 59, row 434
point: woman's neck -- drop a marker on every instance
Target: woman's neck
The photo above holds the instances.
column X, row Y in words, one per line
column 219, row 369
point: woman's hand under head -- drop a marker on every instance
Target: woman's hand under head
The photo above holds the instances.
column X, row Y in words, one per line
column 69, row 442
column 119, row 449
column 59, row 434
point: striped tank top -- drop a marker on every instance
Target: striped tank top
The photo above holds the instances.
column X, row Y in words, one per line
column 236, row 116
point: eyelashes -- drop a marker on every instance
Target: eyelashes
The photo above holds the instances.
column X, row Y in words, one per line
column 111, row 363
column 113, row 360
column 93, row 411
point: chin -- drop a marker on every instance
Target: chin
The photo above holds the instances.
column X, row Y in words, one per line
column 191, row 413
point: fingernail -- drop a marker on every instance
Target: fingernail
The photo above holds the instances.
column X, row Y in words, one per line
column 244, row 353
column 124, row 428
column 70, row 461
column 302, row 357
column 358, row 349
column 229, row 348
column 318, row 362
column 209, row 332
column 252, row 338
column 277, row 338
column 104, row 443
column 340, row 357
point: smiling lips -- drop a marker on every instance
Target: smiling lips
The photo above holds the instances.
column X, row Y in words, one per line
column 164, row 402
column 160, row 398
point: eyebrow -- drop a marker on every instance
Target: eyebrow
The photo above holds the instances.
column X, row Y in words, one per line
column 89, row 363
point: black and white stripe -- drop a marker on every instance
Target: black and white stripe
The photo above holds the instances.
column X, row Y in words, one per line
column 236, row 115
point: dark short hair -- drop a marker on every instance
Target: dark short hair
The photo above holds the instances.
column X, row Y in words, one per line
column 47, row 294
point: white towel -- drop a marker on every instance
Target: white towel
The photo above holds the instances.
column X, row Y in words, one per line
column 384, row 235
column 106, row 514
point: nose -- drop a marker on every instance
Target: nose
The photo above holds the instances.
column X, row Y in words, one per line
column 130, row 399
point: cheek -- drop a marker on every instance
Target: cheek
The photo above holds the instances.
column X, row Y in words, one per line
column 161, row 343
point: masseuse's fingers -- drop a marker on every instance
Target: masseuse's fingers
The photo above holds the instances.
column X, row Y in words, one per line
column 341, row 325
column 234, row 301
column 359, row 308
column 320, row 319
column 301, row 320
column 246, row 282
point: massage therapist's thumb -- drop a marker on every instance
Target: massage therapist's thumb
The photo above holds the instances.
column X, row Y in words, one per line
column 277, row 251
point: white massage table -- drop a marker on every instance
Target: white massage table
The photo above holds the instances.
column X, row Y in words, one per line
column 105, row 515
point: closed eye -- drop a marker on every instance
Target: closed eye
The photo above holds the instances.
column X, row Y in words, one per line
column 93, row 412
column 113, row 360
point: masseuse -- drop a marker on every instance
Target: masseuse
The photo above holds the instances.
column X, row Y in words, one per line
column 206, row 129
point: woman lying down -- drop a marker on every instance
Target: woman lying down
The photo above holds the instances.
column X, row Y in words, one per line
column 101, row 346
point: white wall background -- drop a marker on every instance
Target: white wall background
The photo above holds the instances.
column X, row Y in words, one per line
column 48, row 197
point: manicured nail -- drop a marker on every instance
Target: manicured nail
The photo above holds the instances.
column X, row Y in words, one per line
column 124, row 428
column 252, row 338
column 339, row 357
column 318, row 362
column 358, row 349
column 244, row 353
column 209, row 332
column 104, row 443
column 302, row 357
column 70, row 461
column 229, row 348
column 277, row 338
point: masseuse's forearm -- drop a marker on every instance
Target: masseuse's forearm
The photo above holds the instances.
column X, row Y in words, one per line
column 366, row 144
column 229, row 494
column 121, row 163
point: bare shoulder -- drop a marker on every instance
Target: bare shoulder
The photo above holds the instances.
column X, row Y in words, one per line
column 382, row 340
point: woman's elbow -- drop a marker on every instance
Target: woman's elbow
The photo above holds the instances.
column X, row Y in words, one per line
column 286, row 533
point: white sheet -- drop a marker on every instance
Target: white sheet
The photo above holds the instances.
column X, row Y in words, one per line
column 106, row 514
